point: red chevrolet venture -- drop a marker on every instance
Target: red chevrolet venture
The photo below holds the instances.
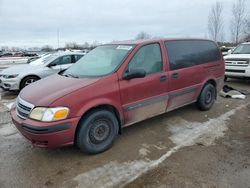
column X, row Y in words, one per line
column 116, row 85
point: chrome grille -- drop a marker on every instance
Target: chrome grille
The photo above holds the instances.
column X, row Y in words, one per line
column 23, row 108
column 241, row 63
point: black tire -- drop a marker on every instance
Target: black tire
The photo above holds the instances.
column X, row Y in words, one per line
column 28, row 80
column 97, row 131
column 207, row 97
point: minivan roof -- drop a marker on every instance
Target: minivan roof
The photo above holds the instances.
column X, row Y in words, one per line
column 142, row 41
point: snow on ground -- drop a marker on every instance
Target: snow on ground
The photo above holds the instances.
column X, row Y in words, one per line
column 184, row 133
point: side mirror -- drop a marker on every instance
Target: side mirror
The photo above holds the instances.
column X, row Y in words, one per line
column 229, row 51
column 134, row 73
column 51, row 65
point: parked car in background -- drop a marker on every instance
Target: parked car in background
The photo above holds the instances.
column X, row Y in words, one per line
column 6, row 54
column 19, row 76
column 226, row 50
column 33, row 59
column 238, row 62
column 116, row 85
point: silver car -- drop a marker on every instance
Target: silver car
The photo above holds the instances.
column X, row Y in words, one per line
column 19, row 76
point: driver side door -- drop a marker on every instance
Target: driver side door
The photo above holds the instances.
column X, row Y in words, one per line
column 52, row 68
column 146, row 97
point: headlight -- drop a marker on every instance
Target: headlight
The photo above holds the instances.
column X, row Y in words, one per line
column 10, row 76
column 49, row 114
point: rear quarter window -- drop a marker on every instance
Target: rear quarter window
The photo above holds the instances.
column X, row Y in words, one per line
column 182, row 54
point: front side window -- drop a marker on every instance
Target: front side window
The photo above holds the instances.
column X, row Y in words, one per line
column 65, row 60
column 100, row 61
column 148, row 58
column 189, row 53
column 56, row 61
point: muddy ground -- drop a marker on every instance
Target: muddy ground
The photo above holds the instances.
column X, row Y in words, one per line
column 183, row 148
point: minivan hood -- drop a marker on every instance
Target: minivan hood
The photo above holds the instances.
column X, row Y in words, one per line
column 237, row 56
column 45, row 91
column 17, row 69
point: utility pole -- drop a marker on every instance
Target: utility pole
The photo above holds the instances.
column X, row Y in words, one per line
column 57, row 38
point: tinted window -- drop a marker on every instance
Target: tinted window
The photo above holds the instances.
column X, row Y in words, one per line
column 148, row 58
column 184, row 54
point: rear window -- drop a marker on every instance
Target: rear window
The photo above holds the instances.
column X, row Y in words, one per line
column 184, row 54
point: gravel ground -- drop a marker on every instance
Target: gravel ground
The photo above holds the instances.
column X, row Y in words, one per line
column 183, row 148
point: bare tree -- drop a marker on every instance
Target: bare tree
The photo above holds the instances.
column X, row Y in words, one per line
column 215, row 22
column 247, row 29
column 237, row 22
column 47, row 48
column 85, row 45
column 72, row 45
column 142, row 35
column 5, row 48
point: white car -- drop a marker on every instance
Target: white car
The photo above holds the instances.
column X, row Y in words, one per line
column 19, row 76
column 237, row 63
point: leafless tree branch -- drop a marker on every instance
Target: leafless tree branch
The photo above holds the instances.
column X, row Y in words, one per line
column 215, row 22
column 237, row 22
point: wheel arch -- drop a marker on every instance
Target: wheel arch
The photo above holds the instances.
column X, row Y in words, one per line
column 103, row 106
column 210, row 81
column 26, row 76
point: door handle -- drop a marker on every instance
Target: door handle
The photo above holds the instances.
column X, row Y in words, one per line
column 175, row 75
column 163, row 78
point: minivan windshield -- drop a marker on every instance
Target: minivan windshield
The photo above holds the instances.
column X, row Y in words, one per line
column 101, row 61
column 242, row 49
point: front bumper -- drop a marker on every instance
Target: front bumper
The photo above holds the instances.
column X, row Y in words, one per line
column 10, row 84
column 237, row 71
column 44, row 134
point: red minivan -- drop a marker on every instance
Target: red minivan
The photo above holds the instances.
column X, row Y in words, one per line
column 116, row 85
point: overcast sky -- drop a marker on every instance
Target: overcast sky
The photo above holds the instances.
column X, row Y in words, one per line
column 27, row 23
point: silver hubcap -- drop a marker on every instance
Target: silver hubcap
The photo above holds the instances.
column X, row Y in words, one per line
column 29, row 81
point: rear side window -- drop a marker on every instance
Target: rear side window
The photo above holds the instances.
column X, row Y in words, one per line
column 184, row 54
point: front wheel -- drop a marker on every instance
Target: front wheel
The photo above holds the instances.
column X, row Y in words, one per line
column 97, row 132
column 27, row 81
column 207, row 97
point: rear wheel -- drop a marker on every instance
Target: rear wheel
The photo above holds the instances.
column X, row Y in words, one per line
column 27, row 81
column 97, row 132
column 207, row 97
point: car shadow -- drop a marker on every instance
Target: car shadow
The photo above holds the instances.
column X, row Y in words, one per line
column 8, row 95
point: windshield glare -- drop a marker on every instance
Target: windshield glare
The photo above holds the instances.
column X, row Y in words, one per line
column 43, row 60
column 242, row 49
column 101, row 61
